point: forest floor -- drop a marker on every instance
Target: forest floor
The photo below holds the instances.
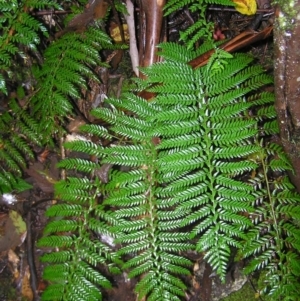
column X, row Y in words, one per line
column 22, row 216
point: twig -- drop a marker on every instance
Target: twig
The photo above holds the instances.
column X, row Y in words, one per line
column 30, row 258
column 133, row 51
column 50, row 12
column 259, row 11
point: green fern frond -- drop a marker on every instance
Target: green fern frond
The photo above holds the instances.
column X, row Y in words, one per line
column 178, row 162
column 73, row 56
column 21, row 29
column 218, row 223
column 18, row 129
column 79, row 252
column 200, row 28
column 201, row 198
column 275, row 231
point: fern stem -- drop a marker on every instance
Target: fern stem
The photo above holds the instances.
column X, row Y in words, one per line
column 271, row 200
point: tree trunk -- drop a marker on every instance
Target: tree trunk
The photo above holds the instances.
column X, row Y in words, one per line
column 287, row 82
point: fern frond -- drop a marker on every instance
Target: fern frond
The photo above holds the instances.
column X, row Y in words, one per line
column 200, row 28
column 181, row 161
column 21, row 29
column 79, row 253
column 18, row 130
column 73, row 56
column 275, row 229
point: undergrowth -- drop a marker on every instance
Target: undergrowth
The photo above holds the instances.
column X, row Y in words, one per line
column 190, row 170
column 196, row 168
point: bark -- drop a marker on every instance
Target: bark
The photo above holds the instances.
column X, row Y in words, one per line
column 151, row 20
column 287, row 87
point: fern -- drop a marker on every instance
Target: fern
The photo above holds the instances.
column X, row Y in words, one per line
column 173, row 179
column 275, row 238
column 19, row 29
column 69, row 63
column 17, row 128
column 201, row 28
column 212, row 202
column 185, row 153
column 80, row 252
column 74, row 56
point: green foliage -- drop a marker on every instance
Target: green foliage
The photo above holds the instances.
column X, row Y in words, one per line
column 19, row 29
column 274, row 239
column 175, row 177
column 68, row 63
column 17, row 129
column 74, row 56
column 201, row 28
column 76, row 228
column 186, row 171
column 19, row 32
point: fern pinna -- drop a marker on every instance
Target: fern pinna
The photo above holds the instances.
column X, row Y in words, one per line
column 178, row 181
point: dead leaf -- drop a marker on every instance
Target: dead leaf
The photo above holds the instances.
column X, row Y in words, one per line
column 26, row 288
column 43, row 178
column 13, row 231
column 14, row 259
column 115, row 32
column 246, row 7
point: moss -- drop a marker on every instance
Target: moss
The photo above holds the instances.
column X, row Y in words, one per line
column 7, row 290
column 289, row 12
column 246, row 293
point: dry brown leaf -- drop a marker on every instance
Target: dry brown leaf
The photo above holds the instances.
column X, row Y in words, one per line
column 26, row 288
